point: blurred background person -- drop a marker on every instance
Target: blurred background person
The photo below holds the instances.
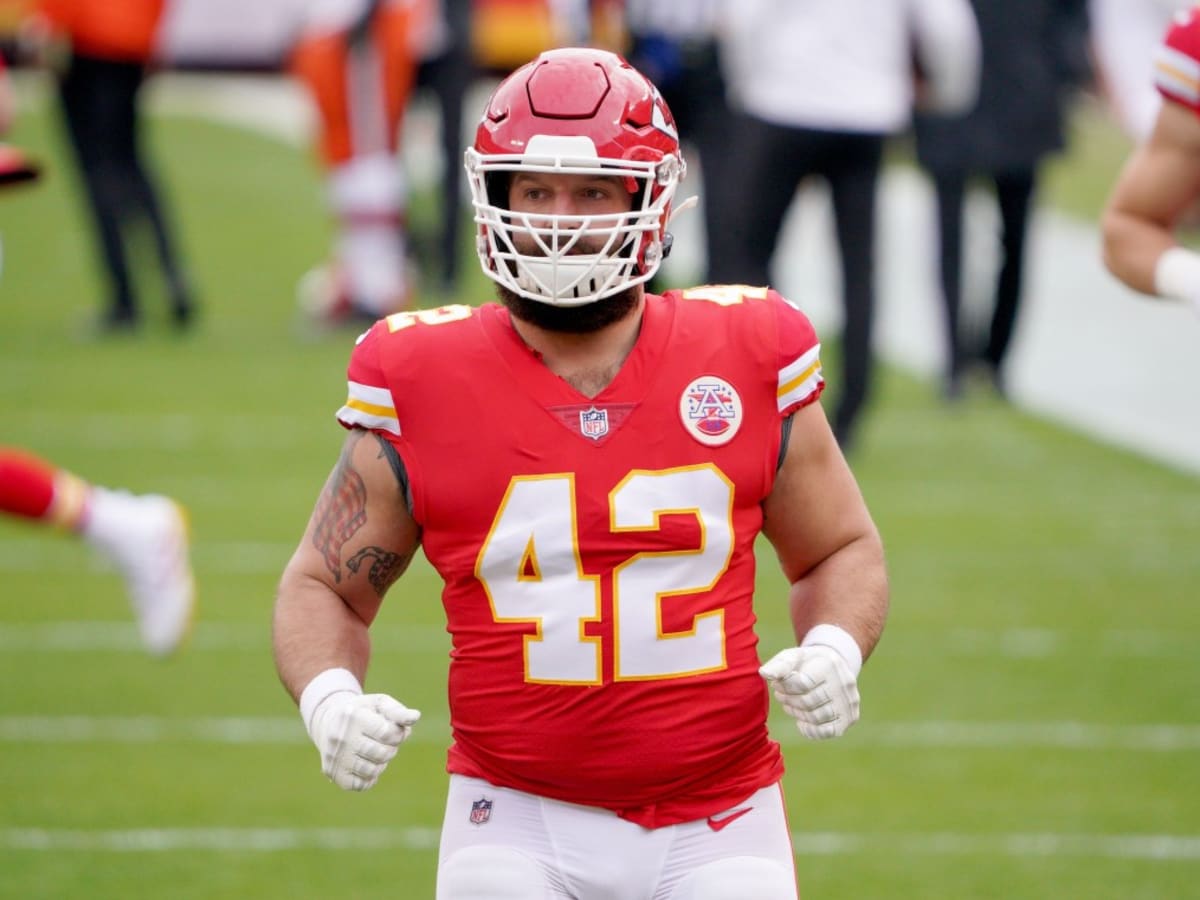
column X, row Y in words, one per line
column 101, row 53
column 358, row 59
column 1034, row 53
column 446, row 68
column 8, row 102
column 1124, row 35
column 144, row 536
column 463, row 41
column 508, row 33
column 15, row 166
column 819, row 88
column 1160, row 184
column 674, row 43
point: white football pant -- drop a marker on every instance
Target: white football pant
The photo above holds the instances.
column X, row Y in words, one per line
column 499, row 843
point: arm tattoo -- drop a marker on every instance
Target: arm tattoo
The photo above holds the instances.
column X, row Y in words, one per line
column 341, row 511
column 385, row 566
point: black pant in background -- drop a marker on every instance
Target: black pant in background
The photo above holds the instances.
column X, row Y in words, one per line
column 695, row 94
column 449, row 77
column 773, row 161
column 1014, row 196
column 99, row 102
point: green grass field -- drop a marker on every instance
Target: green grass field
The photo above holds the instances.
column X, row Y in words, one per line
column 1031, row 719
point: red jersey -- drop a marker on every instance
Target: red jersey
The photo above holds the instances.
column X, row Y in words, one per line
column 598, row 554
column 1177, row 61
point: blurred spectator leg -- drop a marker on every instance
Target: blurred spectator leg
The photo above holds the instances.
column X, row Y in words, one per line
column 449, row 76
column 772, row 161
column 853, row 180
column 950, row 187
column 89, row 101
column 145, row 198
column 707, row 127
column 1014, row 194
column 99, row 102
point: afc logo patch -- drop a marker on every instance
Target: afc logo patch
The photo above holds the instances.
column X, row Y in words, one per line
column 481, row 811
column 593, row 423
column 711, row 410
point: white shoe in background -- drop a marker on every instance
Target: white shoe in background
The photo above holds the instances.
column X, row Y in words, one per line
column 322, row 297
column 146, row 538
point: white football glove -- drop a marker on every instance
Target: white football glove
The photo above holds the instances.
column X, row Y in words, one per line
column 1177, row 276
column 358, row 734
column 816, row 687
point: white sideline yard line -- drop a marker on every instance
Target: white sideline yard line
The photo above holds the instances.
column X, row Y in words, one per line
column 269, row 730
column 155, row 730
column 261, row 840
column 118, row 430
column 1010, row 643
column 87, row 637
column 1158, row 847
column 33, row 556
column 1149, row 847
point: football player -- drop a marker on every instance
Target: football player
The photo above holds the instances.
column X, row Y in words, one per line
column 588, row 467
column 1158, row 189
column 145, row 536
column 357, row 60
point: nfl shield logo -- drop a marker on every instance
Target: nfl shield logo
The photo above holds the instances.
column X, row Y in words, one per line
column 593, row 423
column 481, row 811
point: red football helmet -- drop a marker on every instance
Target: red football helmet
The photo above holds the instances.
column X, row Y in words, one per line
column 582, row 112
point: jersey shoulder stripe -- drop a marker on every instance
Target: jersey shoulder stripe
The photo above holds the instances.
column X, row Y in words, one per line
column 369, row 407
column 764, row 310
column 801, row 380
column 1177, row 75
column 1177, row 60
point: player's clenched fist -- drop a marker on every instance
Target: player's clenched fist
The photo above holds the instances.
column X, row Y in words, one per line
column 357, row 734
column 817, row 687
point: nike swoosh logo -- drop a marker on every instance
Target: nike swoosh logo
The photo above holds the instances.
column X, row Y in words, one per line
column 716, row 824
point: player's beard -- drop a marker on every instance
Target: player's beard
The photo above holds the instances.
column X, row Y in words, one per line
column 583, row 319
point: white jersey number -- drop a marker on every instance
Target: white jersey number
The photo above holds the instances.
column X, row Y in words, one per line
column 531, row 568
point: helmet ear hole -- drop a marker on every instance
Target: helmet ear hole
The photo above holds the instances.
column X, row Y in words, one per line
column 498, row 184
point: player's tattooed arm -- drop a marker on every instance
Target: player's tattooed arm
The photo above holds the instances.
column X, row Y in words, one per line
column 342, row 511
column 385, row 565
column 383, row 569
